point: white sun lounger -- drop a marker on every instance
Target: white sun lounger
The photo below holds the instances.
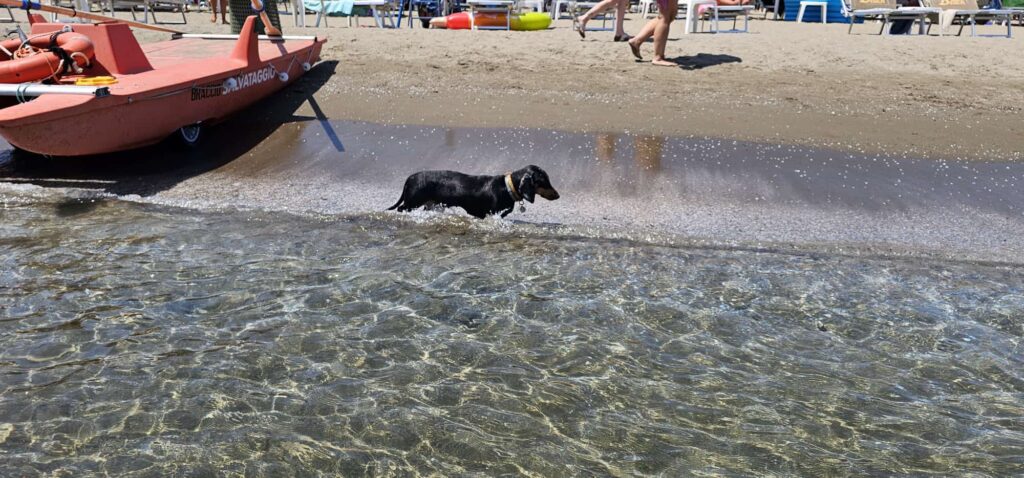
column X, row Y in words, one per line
column 967, row 11
column 381, row 10
column 508, row 7
column 885, row 10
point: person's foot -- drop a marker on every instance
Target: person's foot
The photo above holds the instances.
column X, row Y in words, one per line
column 622, row 37
column 662, row 62
column 214, row 19
column 582, row 30
column 635, row 48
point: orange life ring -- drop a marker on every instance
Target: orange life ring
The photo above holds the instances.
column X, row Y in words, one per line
column 41, row 56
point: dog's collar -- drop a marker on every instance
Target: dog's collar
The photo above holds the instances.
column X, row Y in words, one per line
column 512, row 188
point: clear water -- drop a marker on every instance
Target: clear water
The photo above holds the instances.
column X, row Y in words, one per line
column 144, row 340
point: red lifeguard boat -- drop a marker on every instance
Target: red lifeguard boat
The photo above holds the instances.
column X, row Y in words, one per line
column 128, row 95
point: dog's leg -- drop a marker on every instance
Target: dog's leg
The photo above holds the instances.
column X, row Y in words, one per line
column 506, row 212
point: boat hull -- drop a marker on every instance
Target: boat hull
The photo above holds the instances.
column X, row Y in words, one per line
column 146, row 107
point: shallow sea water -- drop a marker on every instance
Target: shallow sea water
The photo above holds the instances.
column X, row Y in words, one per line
column 144, row 340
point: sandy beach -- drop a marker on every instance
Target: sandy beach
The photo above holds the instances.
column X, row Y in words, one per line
column 811, row 84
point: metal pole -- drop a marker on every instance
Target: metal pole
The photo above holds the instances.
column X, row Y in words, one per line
column 214, row 36
column 30, row 89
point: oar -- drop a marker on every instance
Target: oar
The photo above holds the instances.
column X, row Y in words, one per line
column 257, row 5
column 70, row 12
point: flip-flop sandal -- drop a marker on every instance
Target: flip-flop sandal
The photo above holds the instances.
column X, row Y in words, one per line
column 624, row 37
column 636, row 50
column 583, row 34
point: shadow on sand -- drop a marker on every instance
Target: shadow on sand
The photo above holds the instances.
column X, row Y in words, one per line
column 703, row 60
column 147, row 171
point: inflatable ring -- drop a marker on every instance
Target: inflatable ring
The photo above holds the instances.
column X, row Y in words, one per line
column 520, row 22
column 40, row 57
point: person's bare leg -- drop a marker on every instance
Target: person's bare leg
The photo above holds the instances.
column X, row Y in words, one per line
column 645, row 34
column 600, row 7
column 661, row 35
column 620, row 18
column 223, row 11
column 641, row 37
column 213, row 9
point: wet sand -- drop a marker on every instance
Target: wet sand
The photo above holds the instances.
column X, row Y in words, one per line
column 646, row 188
column 793, row 136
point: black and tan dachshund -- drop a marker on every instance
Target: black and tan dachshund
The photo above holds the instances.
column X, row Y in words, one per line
column 478, row 195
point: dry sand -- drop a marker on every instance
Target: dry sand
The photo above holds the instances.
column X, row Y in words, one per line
column 812, row 84
column 952, row 97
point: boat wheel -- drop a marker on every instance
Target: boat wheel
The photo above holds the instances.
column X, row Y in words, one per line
column 191, row 134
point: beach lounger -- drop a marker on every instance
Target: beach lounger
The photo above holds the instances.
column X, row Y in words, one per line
column 1018, row 13
column 577, row 9
column 507, row 7
column 886, row 11
column 967, row 12
column 717, row 13
column 150, row 7
column 687, row 10
column 380, row 10
column 769, row 6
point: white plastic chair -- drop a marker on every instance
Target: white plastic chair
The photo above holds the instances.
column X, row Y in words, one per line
column 645, row 8
column 535, row 5
column 816, row 4
column 559, row 6
column 685, row 9
column 692, row 17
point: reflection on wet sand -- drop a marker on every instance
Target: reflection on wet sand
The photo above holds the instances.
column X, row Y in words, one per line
column 647, row 151
column 605, row 147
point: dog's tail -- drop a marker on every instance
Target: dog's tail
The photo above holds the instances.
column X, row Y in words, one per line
column 399, row 203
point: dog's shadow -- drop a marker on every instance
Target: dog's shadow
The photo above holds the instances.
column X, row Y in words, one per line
column 704, row 60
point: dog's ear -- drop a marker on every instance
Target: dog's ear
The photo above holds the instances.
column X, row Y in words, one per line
column 526, row 187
